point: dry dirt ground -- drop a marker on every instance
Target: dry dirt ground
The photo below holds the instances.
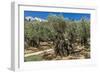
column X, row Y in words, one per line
column 47, row 53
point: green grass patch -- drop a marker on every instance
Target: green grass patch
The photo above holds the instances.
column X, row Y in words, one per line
column 33, row 58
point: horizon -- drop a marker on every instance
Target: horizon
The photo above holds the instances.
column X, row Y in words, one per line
column 66, row 15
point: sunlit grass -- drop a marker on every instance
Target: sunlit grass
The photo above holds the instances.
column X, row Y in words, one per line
column 33, row 58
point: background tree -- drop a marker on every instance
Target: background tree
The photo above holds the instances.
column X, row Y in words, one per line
column 84, row 31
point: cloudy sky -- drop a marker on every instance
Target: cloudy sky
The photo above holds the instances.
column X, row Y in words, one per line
column 44, row 15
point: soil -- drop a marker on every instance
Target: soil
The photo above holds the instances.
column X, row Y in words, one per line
column 80, row 52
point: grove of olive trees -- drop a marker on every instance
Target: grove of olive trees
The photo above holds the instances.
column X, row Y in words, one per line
column 64, row 36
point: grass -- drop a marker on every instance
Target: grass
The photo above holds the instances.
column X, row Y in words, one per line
column 33, row 58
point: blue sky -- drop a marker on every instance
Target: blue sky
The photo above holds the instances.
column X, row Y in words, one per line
column 44, row 15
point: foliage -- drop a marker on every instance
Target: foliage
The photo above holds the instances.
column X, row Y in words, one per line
column 57, row 22
column 57, row 29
